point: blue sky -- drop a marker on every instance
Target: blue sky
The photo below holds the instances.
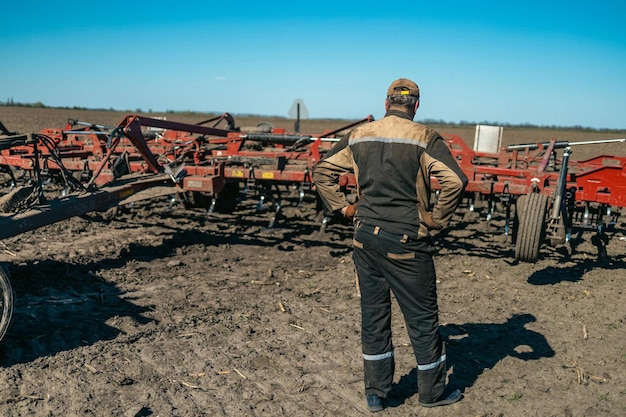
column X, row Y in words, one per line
column 545, row 63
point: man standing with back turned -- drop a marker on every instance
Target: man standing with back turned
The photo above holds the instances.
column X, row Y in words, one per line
column 393, row 159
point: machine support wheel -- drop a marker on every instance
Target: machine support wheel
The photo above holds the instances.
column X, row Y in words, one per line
column 531, row 212
column 6, row 300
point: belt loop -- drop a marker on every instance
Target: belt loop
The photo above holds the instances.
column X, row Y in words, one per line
column 405, row 238
column 376, row 230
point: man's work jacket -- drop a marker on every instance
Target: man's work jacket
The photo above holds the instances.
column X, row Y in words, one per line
column 393, row 160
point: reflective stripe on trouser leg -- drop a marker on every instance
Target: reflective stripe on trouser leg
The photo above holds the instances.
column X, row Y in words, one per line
column 378, row 360
column 431, row 379
column 378, row 373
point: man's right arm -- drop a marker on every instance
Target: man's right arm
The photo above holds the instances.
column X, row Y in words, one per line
column 327, row 172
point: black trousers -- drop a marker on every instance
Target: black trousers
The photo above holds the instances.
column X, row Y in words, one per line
column 389, row 262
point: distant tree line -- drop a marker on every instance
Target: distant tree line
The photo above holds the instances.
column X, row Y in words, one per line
column 518, row 125
column 11, row 103
column 39, row 104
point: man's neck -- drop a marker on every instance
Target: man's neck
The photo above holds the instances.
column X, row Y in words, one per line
column 399, row 113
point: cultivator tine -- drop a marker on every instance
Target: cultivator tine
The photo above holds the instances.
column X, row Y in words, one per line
column 250, row 183
column 267, row 197
column 260, row 203
column 600, row 240
column 301, row 194
column 490, row 207
column 277, row 210
column 306, row 185
column 211, row 208
column 172, row 202
column 586, row 215
column 325, row 220
column 472, row 203
column 505, row 198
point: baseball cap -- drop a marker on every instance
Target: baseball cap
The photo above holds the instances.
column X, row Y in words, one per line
column 403, row 86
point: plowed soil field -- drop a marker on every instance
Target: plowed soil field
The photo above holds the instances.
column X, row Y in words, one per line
column 163, row 310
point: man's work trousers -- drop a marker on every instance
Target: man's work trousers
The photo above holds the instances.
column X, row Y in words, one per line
column 385, row 262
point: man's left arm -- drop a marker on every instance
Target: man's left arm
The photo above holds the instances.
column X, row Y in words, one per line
column 451, row 178
column 438, row 149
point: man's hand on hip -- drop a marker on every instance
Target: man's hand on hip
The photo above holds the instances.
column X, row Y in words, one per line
column 427, row 219
column 349, row 211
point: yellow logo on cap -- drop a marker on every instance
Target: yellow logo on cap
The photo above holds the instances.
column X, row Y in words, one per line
column 404, row 92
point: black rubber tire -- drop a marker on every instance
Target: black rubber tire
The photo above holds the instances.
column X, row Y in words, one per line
column 6, row 300
column 531, row 212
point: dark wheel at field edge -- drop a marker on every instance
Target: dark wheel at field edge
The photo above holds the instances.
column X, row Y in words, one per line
column 531, row 217
column 6, row 298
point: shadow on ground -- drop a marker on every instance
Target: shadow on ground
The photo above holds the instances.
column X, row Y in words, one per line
column 474, row 347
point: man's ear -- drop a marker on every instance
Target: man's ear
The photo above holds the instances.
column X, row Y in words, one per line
column 417, row 104
column 386, row 105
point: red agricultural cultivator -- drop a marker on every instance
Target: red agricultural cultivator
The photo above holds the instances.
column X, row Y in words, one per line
column 60, row 173
column 550, row 195
column 102, row 166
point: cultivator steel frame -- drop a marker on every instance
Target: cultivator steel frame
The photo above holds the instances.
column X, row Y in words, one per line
column 209, row 165
column 213, row 164
column 550, row 195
